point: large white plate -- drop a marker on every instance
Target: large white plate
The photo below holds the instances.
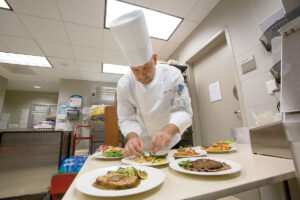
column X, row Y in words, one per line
column 197, row 149
column 85, row 182
column 127, row 160
column 100, row 156
column 223, row 151
column 235, row 167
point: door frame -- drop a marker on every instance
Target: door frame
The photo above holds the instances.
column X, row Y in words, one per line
column 214, row 41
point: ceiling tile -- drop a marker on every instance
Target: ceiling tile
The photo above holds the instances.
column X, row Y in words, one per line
column 68, row 73
column 183, row 31
column 10, row 25
column 61, row 64
column 28, row 86
column 84, row 35
column 27, row 77
column 87, row 12
column 90, row 76
column 113, row 57
column 4, row 48
column 45, row 29
column 109, row 77
column 87, row 54
column 43, row 71
column 5, row 73
column 202, row 9
column 48, row 75
column 168, row 50
column 178, row 8
column 157, row 45
column 57, row 50
column 109, row 41
column 143, row 3
column 89, row 66
column 44, row 8
column 21, row 45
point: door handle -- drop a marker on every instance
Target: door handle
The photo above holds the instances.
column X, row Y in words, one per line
column 237, row 111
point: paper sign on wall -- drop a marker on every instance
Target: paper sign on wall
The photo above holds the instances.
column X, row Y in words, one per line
column 215, row 91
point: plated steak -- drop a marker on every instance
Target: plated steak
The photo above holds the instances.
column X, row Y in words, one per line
column 116, row 182
column 205, row 165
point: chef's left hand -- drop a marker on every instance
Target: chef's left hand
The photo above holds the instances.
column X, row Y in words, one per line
column 162, row 138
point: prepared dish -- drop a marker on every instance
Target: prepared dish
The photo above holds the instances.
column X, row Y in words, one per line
column 204, row 165
column 185, row 152
column 150, row 158
column 110, row 151
column 122, row 178
column 218, row 146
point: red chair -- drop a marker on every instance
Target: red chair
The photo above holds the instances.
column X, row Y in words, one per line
column 60, row 183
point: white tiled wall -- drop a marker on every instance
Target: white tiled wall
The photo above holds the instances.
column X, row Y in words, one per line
column 241, row 18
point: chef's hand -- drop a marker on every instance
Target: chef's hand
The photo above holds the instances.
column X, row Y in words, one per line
column 134, row 145
column 162, row 138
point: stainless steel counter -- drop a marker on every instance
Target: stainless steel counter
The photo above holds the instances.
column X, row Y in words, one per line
column 28, row 159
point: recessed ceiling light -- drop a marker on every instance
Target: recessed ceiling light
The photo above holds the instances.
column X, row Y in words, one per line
column 20, row 59
column 36, row 86
column 159, row 25
column 4, row 4
column 115, row 69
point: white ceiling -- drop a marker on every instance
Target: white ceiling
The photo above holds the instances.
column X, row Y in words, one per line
column 71, row 35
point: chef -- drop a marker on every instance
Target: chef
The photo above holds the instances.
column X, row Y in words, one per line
column 153, row 106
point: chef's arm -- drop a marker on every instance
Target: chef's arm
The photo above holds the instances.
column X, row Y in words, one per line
column 181, row 117
column 131, row 135
column 126, row 114
column 170, row 129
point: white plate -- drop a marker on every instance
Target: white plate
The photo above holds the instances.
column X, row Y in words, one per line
column 198, row 150
column 223, row 151
column 85, row 182
column 127, row 160
column 100, row 156
column 235, row 167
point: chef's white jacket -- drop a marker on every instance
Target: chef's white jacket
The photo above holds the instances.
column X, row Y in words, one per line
column 146, row 109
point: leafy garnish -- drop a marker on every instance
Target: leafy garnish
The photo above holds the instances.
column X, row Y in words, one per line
column 185, row 163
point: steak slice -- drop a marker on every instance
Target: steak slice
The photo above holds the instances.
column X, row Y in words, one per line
column 204, row 164
column 116, row 182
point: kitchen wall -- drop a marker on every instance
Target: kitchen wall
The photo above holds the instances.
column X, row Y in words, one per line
column 241, row 18
column 70, row 87
column 15, row 101
column 3, row 85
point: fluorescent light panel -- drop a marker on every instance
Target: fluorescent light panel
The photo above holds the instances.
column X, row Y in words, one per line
column 20, row 59
column 115, row 69
column 37, row 87
column 159, row 25
column 3, row 4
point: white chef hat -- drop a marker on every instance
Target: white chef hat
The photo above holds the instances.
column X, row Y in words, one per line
column 131, row 33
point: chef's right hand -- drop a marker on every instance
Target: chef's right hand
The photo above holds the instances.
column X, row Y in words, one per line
column 134, row 145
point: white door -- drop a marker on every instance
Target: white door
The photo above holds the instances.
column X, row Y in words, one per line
column 216, row 118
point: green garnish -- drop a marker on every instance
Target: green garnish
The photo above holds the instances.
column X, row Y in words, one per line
column 229, row 142
column 185, row 163
column 112, row 154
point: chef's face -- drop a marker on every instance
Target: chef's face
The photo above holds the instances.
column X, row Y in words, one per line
column 145, row 73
